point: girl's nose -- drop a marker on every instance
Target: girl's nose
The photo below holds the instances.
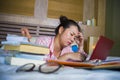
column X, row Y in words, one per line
column 72, row 39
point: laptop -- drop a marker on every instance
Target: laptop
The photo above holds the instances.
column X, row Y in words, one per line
column 102, row 49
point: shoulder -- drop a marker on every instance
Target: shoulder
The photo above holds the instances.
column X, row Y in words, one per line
column 44, row 40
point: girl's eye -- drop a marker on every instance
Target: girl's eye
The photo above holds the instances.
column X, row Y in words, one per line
column 71, row 34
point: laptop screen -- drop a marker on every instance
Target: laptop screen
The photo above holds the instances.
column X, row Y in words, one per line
column 102, row 49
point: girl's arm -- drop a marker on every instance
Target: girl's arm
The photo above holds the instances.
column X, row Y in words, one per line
column 72, row 56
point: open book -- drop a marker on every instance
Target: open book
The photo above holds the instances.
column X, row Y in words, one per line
column 111, row 64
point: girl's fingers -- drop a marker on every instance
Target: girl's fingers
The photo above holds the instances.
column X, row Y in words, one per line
column 79, row 38
column 25, row 32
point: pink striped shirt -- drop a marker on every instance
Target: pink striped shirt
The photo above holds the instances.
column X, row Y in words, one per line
column 49, row 42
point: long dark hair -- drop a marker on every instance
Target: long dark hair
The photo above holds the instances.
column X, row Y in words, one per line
column 66, row 23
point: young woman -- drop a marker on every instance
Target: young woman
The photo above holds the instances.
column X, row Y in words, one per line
column 67, row 32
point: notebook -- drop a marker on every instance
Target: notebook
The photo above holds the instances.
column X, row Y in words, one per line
column 102, row 49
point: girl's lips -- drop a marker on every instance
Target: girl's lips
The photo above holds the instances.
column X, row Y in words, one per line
column 69, row 43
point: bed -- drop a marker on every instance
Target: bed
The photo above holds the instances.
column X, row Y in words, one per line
column 8, row 72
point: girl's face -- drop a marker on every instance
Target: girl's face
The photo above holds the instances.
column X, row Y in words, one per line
column 68, row 35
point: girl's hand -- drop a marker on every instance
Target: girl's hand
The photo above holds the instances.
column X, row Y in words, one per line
column 80, row 41
column 25, row 32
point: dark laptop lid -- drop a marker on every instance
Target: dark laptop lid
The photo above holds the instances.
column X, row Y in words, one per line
column 102, row 49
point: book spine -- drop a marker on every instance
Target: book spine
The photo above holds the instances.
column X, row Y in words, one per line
column 30, row 56
column 17, row 38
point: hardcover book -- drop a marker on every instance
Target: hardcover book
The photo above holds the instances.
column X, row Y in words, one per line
column 28, row 48
column 21, row 61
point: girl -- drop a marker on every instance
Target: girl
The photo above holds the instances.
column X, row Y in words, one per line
column 67, row 32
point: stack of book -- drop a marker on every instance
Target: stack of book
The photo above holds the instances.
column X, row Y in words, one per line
column 23, row 52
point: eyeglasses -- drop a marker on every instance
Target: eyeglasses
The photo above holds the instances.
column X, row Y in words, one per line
column 48, row 67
